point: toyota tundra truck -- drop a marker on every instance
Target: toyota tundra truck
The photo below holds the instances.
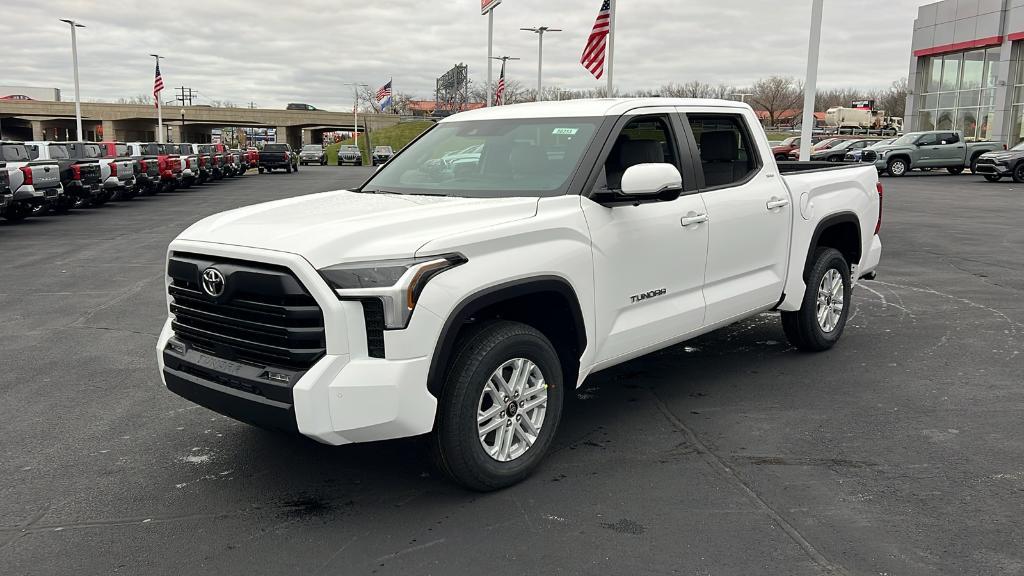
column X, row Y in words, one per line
column 35, row 184
column 934, row 149
column 80, row 178
column 468, row 301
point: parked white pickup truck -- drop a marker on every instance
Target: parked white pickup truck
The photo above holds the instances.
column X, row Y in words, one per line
column 467, row 300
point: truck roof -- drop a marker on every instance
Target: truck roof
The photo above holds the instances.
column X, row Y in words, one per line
column 587, row 108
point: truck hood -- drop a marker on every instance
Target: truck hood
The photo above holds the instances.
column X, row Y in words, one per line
column 1003, row 155
column 334, row 227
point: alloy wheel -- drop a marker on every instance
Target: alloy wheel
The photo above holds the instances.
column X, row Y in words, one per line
column 511, row 410
column 830, row 300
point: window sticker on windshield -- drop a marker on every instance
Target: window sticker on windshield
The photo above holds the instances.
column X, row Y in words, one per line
column 565, row 131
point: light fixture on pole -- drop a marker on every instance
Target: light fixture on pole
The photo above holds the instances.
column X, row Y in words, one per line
column 487, row 8
column 355, row 109
column 539, row 31
column 813, row 44
column 74, row 61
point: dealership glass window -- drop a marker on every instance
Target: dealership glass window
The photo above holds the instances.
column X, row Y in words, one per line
column 958, row 92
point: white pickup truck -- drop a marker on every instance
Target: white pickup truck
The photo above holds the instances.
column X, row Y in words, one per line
column 467, row 300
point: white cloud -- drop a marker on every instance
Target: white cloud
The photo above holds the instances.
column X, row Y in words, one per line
column 278, row 52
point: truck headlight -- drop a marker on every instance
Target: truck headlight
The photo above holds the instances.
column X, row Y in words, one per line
column 396, row 283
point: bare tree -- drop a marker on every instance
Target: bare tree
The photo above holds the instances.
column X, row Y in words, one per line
column 894, row 100
column 775, row 95
column 137, row 99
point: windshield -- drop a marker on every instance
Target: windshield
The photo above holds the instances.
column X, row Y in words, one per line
column 59, row 152
column 521, row 157
column 1018, row 146
column 349, row 148
column 312, row 148
column 885, row 142
column 383, row 149
column 826, row 144
column 791, row 141
column 14, row 153
column 907, row 139
column 275, row 148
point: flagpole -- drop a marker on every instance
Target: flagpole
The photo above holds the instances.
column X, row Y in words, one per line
column 159, row 108
column 611, row 45
column 810, row 83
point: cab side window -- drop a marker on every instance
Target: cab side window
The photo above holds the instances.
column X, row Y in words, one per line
column 948, row 138
column 645, row 139
column 727, row 154
column 928, row 140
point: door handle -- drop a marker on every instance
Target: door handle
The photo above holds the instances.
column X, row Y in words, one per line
column 776, row 202
column 695, row 219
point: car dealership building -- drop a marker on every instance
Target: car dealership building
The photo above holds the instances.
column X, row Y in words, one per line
column 967, row 69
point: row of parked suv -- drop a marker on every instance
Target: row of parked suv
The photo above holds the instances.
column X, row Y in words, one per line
column 37, row 177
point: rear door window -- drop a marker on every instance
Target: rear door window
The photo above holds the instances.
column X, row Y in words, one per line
column 727, row 153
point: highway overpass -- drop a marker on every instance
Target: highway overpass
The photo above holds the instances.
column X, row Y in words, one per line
column 39, row 120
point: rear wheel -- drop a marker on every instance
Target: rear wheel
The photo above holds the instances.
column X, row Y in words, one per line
column 955, row 170
column 17, row 212
column 288, row 169
column 500, row 406
column 819, row 322
column 896, row 167
column 992, row 177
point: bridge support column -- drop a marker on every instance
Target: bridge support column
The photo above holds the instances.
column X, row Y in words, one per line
column 108, row 130
column 37, row 130
column 289, row 135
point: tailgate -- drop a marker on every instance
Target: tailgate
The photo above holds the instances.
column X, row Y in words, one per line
column 125, row 169
column 45, row 175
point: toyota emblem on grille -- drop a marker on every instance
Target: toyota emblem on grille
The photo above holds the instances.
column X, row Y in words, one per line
column 213, row 282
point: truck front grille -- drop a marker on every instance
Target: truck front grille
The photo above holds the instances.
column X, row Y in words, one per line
column 264, row 316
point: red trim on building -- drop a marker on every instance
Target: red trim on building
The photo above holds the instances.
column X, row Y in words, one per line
column 957, row 47
column 1015, row 36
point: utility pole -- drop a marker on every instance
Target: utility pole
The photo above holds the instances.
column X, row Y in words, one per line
column 539, row 31
column 74, row 61
column 185, row 95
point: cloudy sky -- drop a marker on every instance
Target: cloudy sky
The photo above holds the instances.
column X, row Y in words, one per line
column 284, row 51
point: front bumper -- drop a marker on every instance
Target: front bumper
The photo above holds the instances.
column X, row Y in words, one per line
column 345, row 396
column 986, row 168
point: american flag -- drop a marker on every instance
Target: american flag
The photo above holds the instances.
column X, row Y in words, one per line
column 499, row 94
column 384, row 96
column 597, row 43
column 158, row 85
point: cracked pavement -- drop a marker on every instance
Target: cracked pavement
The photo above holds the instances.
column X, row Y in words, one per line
column 898, row 452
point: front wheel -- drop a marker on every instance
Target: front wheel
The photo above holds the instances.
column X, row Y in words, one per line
column 992, row 177
column 896, row 167
column 955, row 170
column 500, row 407
column 819, row 322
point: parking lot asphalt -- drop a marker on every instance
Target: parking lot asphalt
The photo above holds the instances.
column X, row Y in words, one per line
column 900, row 451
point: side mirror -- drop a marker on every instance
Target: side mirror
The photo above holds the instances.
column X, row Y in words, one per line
column 645, row 180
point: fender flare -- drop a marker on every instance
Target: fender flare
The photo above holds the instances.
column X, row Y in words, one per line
column 827, row 222
column 481, row 299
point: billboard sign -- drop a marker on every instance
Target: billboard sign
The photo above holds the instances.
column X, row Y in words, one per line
column 488, row 5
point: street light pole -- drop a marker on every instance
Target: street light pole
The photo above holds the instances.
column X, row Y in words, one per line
column 74, row 61
column 539, row 31
column 504, row 61
column 355, row 109
column 813, row 44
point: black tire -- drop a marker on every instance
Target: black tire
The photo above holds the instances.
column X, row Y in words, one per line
column 781, row 157
column 260, row 169
column 1018, row 172
column 455, row 444
column 992, row 177
column 62, row 205
column 974, row 163
column 40, row 209
column 288, row 169
column 17, row 212
column 802, row 327
column 359, row 163
column 296, row 168
column 955, row 171
column 896, row 167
